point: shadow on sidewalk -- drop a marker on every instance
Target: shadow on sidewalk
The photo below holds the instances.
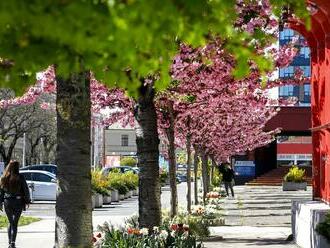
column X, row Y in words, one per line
column 252, row 242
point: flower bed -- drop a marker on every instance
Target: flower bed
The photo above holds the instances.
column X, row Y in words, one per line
column 213, row 195
column 209, row 214
column 176, row 235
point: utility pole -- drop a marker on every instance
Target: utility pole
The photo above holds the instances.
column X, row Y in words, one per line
column 24, row 149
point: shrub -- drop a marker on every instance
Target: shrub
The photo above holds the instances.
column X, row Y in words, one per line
column 217, row 178
column 123, row 182
column 100, row 184
column 323, row 228
column 163, row 176
column 128, row 161
column 131, row 180
column 295, row 175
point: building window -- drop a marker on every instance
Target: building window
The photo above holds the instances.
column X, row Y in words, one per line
column 286, row 34
column 286, row 91
column 305, row 52
column 307, row 70
column 307, row 89
column 307, row 93
column 287, row 72
column 124, row 140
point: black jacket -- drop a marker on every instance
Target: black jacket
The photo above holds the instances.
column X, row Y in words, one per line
column 228, row 174
column 23, row 192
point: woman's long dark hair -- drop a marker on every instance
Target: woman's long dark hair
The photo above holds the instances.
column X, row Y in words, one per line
column 10, row 179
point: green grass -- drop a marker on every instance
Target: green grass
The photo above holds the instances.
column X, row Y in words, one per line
column 23, row 221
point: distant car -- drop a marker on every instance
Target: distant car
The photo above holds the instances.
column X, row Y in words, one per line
column 43, row 184
column 121, row 169
column 43, row 167
column 137, row 169
column 181, row 178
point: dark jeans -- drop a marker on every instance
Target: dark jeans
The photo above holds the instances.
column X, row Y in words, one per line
column 229, row 185
column 13, row 209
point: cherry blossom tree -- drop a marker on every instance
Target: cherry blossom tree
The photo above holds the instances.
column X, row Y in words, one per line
column 206, row 96
column 226, row 115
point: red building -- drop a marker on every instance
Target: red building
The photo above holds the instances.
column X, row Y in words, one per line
column 294, row 150
column 318, row 38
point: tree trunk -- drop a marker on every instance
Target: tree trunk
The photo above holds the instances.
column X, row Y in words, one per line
column 73, row 206
column 147, row 142
column 205, row 175
column 214, row 166
column 6, row 156
column 195, row 175
column 172, row 163
column 32, row 159
column 45, row 156
column 47, row 149
column 188, row 147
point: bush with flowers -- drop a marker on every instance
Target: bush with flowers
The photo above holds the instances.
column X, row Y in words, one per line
column 221, row 192
column 197, row 210
column 174, row 236
column 198, row 227
column 213, row 195
column 208, row 211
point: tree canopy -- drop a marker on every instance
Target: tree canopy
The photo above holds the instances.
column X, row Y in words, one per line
column 120, row 41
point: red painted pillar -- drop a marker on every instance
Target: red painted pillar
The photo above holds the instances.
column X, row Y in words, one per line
column 319, row 41
column 315, row 121
column 319, row 101
column 325, row 100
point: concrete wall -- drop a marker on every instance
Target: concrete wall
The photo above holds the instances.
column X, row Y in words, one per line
column 305, row 217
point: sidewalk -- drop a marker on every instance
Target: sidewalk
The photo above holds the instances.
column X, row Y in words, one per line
column 250, row 236
column 256, row 217
column 39, row 234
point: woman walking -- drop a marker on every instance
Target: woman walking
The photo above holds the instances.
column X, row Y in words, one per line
column 15, row 196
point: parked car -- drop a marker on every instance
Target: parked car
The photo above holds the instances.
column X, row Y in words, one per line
column 43, row 184
column 122, row 169
column 182, row 178
column 43, row 167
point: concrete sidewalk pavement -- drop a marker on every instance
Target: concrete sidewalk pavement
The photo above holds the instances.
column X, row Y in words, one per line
column 38, row 234
column 250, row 236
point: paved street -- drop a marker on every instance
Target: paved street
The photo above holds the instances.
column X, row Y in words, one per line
column 257, row 216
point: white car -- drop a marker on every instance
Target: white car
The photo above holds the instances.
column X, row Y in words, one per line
column 42, row 183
